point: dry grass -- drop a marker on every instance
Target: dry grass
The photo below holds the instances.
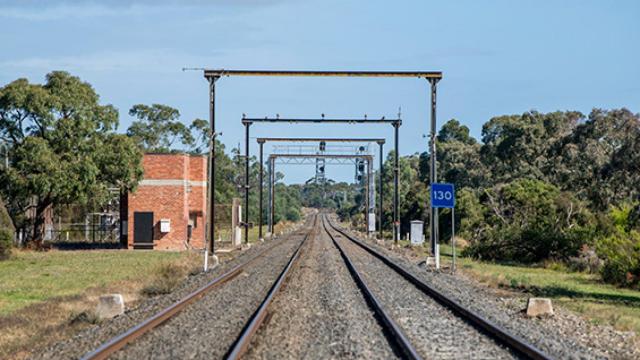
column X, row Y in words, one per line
column 47, row 297
column 580, row 292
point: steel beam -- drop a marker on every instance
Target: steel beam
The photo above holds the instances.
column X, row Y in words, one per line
column 261, row 213
column 380, row 193
column 433, row 176
column 277, row 139
column 246, row 183
column 272, row 193
column 321, row 120
column 208, row 73
column 396, row 194
column 212, row 163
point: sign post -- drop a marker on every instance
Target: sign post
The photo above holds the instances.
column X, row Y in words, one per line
column 444, row 196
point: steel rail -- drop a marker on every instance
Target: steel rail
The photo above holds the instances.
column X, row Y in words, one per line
column 395, row 333
column 241, row 344
column 497, row 332
column 118, row 342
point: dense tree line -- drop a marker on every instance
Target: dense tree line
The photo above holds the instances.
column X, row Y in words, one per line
column 560, row 186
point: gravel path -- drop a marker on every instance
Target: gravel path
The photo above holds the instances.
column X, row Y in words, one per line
column 436, row 332
column 225, row 304
column 563, row 336
column 320, row 313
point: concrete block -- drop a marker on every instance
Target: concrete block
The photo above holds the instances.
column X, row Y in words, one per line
column 539, row 307
column 431, row 261
column 110, row 306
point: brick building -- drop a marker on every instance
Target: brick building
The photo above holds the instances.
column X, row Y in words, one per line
column 168, row 209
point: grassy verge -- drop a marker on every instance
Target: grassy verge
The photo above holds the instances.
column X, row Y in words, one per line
column 48, row 296
column 580, row 292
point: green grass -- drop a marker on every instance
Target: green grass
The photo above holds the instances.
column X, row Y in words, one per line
column 581, row 292
column 31, row 277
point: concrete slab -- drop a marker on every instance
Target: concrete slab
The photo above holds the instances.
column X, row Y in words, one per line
column 539, row 307
column 110, row 306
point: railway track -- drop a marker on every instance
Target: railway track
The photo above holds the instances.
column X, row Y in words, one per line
column 400, row 337
column 516, row 345
column 113, row 345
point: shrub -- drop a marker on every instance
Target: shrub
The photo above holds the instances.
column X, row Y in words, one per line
column 587, row 260
column 6, row 243
column 168, row 277
column 621, row 254
column 529, row 221
column 619, row 247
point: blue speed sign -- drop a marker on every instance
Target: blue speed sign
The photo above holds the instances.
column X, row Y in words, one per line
column 443, row 196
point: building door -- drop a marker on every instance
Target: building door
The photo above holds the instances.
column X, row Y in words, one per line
column 143, row 230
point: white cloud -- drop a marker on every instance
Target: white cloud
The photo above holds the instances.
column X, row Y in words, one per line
column 149, row 61
column 39, row 10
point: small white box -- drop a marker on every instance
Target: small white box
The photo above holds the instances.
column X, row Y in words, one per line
column 416, row 232
column 165, row 225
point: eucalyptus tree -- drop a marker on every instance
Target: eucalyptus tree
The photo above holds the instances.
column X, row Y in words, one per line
column 63, row 148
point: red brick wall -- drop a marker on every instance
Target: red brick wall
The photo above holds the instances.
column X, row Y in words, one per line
column 173, row 188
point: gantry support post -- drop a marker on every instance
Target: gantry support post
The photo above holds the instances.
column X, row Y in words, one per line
column 380, row 189
column 433, row 176
column 212, row 164
column 272, row 194
column 366, row 200
column 246, row 181
column 261, row 213
column 371, row 193
column 396, row 193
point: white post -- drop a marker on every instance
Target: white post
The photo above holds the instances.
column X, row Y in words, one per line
column 206, row 259
column 453, row 240
column 437, row 256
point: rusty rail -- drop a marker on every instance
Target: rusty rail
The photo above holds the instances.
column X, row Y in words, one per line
column 499, row 334
column 392, row 330
column 118, row 342
column 241, row 344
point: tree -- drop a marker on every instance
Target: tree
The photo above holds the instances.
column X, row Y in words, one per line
column 158, row 128
column 599, row 159
column 62, row 147
column 452, row 130
column 529, row 220
column 517, row 146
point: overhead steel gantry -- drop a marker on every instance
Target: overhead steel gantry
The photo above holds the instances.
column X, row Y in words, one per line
column 396, row 123
column 272, row 166
column 263, row 140
column 213, row 75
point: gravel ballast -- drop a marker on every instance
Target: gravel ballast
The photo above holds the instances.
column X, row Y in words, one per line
column 434, row 331
column 320, row 313
column 563, row 335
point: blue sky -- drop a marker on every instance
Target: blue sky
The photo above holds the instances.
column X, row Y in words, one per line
column 498, row 57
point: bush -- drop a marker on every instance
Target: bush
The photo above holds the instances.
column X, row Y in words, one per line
column 587, row 260
column 530, row 221
column 621, row 254
column 619, row 247
column 6, row 243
